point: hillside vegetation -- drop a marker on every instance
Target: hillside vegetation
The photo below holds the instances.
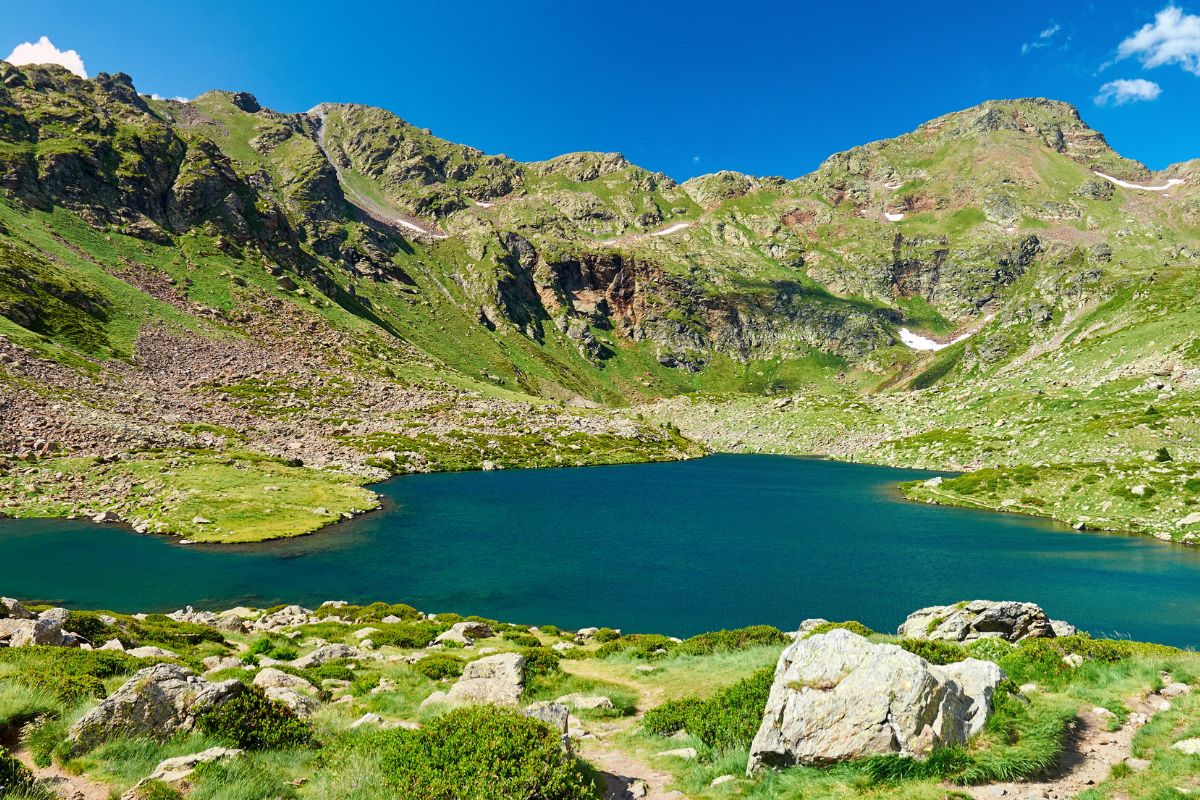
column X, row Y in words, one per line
column 221, row 321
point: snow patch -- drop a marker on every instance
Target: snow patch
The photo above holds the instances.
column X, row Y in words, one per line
column 918, row 342
column 893, row 185
column 678, row 226
column 893, row 217
column 1127, row 185
column 482, row 204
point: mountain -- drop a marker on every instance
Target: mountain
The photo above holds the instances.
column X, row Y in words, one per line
column 201, row 299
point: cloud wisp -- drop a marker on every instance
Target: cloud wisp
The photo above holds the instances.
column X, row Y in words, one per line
column 1127, row 90
column 1043, row 39
column 1173, row 38
column 43, row 51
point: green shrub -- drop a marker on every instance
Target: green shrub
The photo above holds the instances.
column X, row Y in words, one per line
column 539, row 661
column 252, row 721
column 332, row 670
column 989, row 649
column 410, row 636
column 156, row 790
column 728, row 641
column 439, row 666
column 605, row 635
column 370, row 613
column 639, row 645
column 161, row 631
column 274, row 646
column 849, row 625
column 726, row 721
column 481, row 752
column 522, row 639
column 89, row 625
column 551, row 630
column 68, row 674
column 934, row 651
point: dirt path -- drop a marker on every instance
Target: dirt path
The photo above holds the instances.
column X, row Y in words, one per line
column 66, row 785
column 1091, row 753
column 626, row 777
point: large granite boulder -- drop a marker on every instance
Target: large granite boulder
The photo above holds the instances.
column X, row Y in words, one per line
column 498, row 679
column 978, row 619
column 24, row 632
column 837, row 696
column 157, row 702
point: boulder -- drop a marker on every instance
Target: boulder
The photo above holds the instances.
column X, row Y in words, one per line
column 271, row 678
column 176, row 769
column 55, row 615
column 151, row 652
column 25, row 632
column 978, row 681
column 978, row 619
column 465, row 633
column 556, row 715
column 157, row 702
column 230, row 624
column 286, row 617
column 837, row 696
column 302, row 704
column 498, row 679
column 14, row 610
column 325, row 654
column 1062, row 628
column 1189, row 746
column 585, row 701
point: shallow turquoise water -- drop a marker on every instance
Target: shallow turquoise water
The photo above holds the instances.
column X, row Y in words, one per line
column 675, row 548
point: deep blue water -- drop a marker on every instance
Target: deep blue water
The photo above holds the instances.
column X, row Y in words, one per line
column 675, row 548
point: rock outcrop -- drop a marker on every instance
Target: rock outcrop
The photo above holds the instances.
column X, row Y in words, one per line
column 837, row 696
column 498, row 679
column 978, row 619
column 157, row 702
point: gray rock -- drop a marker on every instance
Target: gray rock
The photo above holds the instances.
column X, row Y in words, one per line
column 302, row 704
column 498, row 679
column 1188, row 746
column 325, row 654
column 585, row 701
column 978, row 681
column 1063, row 628
column 151, row 652
column 688, row 753
column 978, row 619
column 465, row 633
column 556, row 715
column 157, row 702
column 14, row 610
column 173, row 770
column 271, row 678
column 26, row 632
column 837, row 696
column 1175, row 690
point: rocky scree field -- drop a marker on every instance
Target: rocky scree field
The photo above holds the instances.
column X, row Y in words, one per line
column 975, row 699
column 222, row 321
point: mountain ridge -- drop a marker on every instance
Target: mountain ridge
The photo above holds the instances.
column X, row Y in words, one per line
column 425, row 274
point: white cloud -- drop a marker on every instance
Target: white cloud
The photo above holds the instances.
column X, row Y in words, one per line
column 1173, row 38
column 177, row 98
column 44, row 52
column 1124, row 90
column 1043, row 39
column 695, row 159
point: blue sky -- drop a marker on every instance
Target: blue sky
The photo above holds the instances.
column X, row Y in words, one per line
column 768, row 88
